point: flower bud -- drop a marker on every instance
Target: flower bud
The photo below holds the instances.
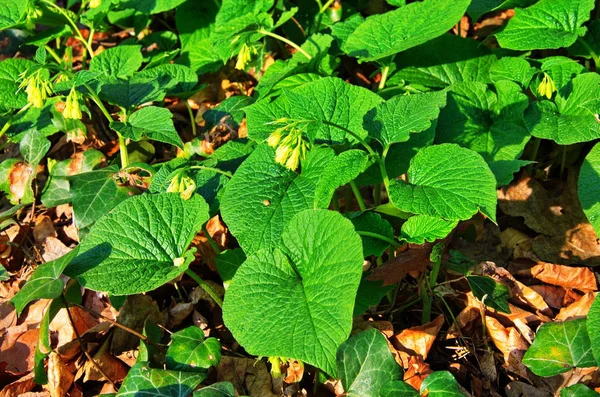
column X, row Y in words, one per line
column 95, row 3
column 282, row 153
column 274, row 139
column 546, row 87
column 294, row 160
column 72, row 108
column 36, row 88
column 244, row 56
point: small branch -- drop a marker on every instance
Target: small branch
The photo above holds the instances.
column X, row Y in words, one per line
column 211, row 242
column 384, row 76
column 379, row 237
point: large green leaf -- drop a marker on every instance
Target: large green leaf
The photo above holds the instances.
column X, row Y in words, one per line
column 398, row 388
column 489, row 123
column 513, row 69
column 143, row 381
column 328, row 99
column 573, row 118
column 365, row 363
column 590, row 43
column 561, row 69
column 152, row 122
column 441, row 384
column 151, row 7
column 490, row 292
column 446, row 181
column 140, row 245
column 220, row 389
column 34, row 147
column 13, row 12
column 593, row 327
column 387, row 34
column 44, row 283
column 420, row 228
column 546, row 24
column 578, row 390
column 119, row 61
column 311, row 281
column 444, row 61
column 372, row 222
column 183, row 79
column 191, row 351
column 10, row 70
column 588, row 187
column 394, row 120
column 480, row 7
column 134, row 91
column 560, row 347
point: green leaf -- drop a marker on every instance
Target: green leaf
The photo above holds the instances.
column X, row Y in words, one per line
column 488, row 123
column 311, row 282
column 190, row 351
column 420, row 228
column 93, row 195
column 443, row 61
column 387, row 34
column 546, row 24
column 446, row 181
column 370, row 293
column 119, row 61
column 10, row 70
column 140, row 245
column 589, row 43
column 573, row 118
column 34, row 147
column 13, row 12
column 398, row 388
column 4, row 275
column 373, row 223
column 593, row 327
column 220, row 389
column 145, row 381
column 44, row 283
column 479, row 7
column 329, row 99
column 394, row 120
column 40, row 119
column 588, row 187
column 151, row 7
column 441, row 384
column 229, row 111
column 365, row 363
column 490, row 292
column 560, row 347
column 578, row 390
column 183, row 79
column 228, row 262
column 134, row 91
column 152, row 122
column 561, row 69
column 513, row 69
column 261, row 198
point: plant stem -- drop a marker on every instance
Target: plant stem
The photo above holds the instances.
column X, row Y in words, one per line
column 326, row 6
column 384, row 76
column 591, row 51
column 123, row 150
column 383, row 169
column 204, row 285
column 289, row 42
column 218, row 171
column 359, row 199
column 379, row 237
column 534, row 153
column 211, row 242
column 192, row 118
column 74, row 27
column 53, row 54
column 426, row 315
column 354, row 135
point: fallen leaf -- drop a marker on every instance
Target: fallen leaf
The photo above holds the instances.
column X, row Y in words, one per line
column 60, row 378
column 415, row 259
column 577, row 309
column 178, row 313
column 552, row 294
column 114, row 368
column 510, row 343
column 580, row 278
column 19, row 387
column 248, row 376
column 53, row 249
column 294, row 371
column 520, row 389
column 518, row 243
column 18, row 349
column 416, row 371
column 417, row 341
column 63, row 329
column 136, row 310
column 19, row 178
column 44, row 228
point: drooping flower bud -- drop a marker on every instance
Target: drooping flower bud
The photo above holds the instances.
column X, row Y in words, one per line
column 72, row 107
column 36, row 87
column 275, row 137
column 182, row 184
column 294, row 161
column 546, row 87
column 282, row 153
column 244, row 56
column 95, row 3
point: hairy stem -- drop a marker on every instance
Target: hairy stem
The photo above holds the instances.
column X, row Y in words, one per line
column 359, row 199
column 74, row 27
column 218, row 171
column 192, row 118
column 379, row 237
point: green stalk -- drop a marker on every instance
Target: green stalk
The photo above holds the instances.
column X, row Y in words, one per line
column 211, row 242
column 536, row 148
column 123, row 151
column 204, row 285
column 359, row 199
column 383, row 169
column 377, row 194
column 289, row 42
column 192, row 118
column 563, row 161
column 427, row 301
column 379, row 237
column 218, row 171
column 384, row 76
column 5, row 128
column 53, row 54
column 591, row 51
column 74, row 27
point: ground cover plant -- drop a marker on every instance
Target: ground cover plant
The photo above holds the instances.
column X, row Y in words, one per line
column 299, row 198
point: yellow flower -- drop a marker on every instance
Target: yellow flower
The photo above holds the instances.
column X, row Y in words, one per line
column 95, row 3
column 546, row 87
column 244, row 56
column 282, row 153
column 275, row 137
column 294, row 160
column 36, row 88
column 182, row 184
column 72, row 108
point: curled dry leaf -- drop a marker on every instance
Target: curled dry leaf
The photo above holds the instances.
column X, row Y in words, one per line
column 20, row 177
column 294, row 371
column 135, row 312
column 60, row 378
column 53, row 249
column 518, row 243
column 62, row 327
column 415, row 259
column 248, row 376
column 18, row 349
column 552, row 294
column 114, row 368
column 416, row 371
column 510, row 342
column 580, row 278
column 577, row 309
column 19, row 387
column 44, row 228
column 417, row 341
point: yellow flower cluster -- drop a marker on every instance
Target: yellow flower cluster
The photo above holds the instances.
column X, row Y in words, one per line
column 244, row 56
column 291, row 146
column 546, row 87
column 36, row 87
column 182, row 184
column 72, row 108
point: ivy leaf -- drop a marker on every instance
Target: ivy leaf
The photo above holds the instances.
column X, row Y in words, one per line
column 370, row 293
column 420, row 228
column 546, row 24
column 328, row 99
column 34, row 147
column 10, row 70
column 398, row 388
column 441, row 384
column 443, row 61
column 365, row 363
column 190, row 351
column 394, row 120
column 13, row 12
column 311, row 282
column 387, row 34
column 142, row 380
column 219, row 389
column 4, row 275
column 578, row 390
column 446, row 181
column 93, row 195
column 573, row 118
column 44, row 283
column 261, row 198
column 119, row 61
column 588, row 187
column 140, row 245
column 372, row 222
column 513, row 69
column 593, row 327
column 496, row 294
column 560, row 347
column 152, row 122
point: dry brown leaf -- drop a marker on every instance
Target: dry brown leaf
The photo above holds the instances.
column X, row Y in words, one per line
column 44, row 228
column 294, row 371
column 566, row 236
column 578, row 309
column 518, row 243
column 510, row 342
column 415, row 259
column 19, row 387
column 249, row 377
column 520, row 389
column 580, row 278
column 465, row 322
column 552, row 294
column 417, row 341
column 53, row 248
column 19, row 178
column 63, row 329
column 178, row 313
column 361, row 325
column 18, row 349
column 416, row 371
column 135, row 312
column 114, row 368
column 60, row 378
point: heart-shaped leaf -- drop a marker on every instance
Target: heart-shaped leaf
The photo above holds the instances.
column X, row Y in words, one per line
column 145, row 381
column 490, row 292
column 151, row 121
column 311, row 281
column 441, row 384
column 140, row 245
column 578, row 390
column 588, row 187
column 420, row 228
column 190, row 351
column 593, row 327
